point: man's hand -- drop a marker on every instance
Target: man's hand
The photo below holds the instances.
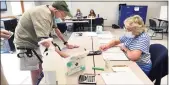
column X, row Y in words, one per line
column 46, row 43
column 61, row 53
column 104, row 47
column 5, row 34
column 71, row 46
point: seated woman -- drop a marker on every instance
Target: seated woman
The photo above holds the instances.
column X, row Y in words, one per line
column 78, row 14
column 92, row 13
column 78, row 26
column 135, row 43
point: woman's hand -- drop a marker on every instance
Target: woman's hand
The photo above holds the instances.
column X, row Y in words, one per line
column 104, row 47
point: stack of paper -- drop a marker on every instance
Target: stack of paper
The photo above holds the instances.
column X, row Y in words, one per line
column 90, row 34
column 104, row 41
column 114, row 56
column 103, row 36
column 113, row 50
column 125, row 77
column 106, row 32
column 121, row 69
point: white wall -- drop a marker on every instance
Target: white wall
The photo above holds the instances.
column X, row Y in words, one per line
column 28, row 5
column 109, row 10
column 14, row 7
column 69, row 3
column 9, row 10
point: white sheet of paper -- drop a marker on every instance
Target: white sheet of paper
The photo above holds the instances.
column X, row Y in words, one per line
column 103, row 36
column 89, row 34
column 114, row 56
column 106, row 32
column 136, row 8
column 113, row 50
column 121, row 78
column 121, row 69
column 104, row 41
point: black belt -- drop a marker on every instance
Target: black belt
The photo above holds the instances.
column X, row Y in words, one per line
column 56, row 45
column 29, row 53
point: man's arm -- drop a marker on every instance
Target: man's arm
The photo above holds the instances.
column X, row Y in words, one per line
column 59, row 34
column 62, row 54
column 65, row 42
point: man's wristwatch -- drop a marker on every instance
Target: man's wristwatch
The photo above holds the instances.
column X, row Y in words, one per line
column 65, row 43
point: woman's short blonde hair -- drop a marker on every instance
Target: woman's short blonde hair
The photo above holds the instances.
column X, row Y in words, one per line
column 137, row 23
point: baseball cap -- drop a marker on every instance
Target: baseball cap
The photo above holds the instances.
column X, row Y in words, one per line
column 61, row 5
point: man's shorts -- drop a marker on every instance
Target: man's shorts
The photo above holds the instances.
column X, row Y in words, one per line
column 29, row 63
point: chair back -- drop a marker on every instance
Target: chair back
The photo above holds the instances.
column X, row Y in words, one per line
column 99, row 21
column 152, row 23
column 159, row 58
column 62, row 27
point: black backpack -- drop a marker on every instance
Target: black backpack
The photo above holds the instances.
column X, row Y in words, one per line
column 115, row 26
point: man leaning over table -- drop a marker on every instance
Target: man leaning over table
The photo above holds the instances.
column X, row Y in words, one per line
column 136, row 43
column 34, row 26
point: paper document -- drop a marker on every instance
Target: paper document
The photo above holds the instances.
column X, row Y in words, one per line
column 121, row 78
column 104, row 41
column 114, row 56
column 106, row 32
column 113, row 50
column 136, row 8
column 103, row 36
column 89, row 34
column 121, row 69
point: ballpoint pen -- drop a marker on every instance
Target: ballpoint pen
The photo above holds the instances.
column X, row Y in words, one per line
column 119, row 66
column 90, row 74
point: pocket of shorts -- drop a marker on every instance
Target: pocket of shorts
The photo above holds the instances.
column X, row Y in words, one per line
column 30, row 61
